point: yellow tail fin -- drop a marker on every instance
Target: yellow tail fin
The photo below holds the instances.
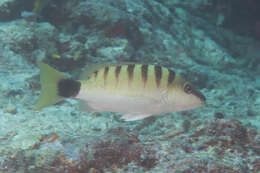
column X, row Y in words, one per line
column 49, row 78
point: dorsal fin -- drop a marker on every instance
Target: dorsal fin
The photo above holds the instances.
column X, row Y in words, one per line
column 89, row 69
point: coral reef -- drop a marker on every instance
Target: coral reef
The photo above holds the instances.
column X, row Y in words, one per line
column 199, row 39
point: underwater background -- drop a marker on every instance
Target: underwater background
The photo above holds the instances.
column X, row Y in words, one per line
column 214, row 44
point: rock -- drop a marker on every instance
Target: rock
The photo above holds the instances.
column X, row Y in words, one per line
column 113, row 51
column 26, row 39
column 11, row 109
column 9, row 10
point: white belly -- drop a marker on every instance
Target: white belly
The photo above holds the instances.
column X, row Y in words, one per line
column 122, row 104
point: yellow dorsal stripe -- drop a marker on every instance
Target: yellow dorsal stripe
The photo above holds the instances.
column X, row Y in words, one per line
column 132, row 78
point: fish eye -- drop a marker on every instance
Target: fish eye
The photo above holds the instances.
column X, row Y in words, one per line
column 187, row 88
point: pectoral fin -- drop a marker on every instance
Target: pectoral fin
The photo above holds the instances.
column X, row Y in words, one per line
column 135, row 116
column 85, row 107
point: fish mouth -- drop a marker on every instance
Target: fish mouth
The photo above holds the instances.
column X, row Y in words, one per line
column 200, row 96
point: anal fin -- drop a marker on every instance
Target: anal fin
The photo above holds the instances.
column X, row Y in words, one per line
column 135, row 116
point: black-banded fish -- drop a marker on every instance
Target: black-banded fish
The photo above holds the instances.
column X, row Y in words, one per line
column 136, row 90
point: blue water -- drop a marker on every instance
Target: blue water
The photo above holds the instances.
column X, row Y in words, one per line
column 213, row 44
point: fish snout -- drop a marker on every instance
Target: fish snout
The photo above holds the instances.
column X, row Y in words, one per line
column 199, row 95
column 190, row 90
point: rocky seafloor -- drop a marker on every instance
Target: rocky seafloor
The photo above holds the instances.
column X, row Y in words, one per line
column 213, row 44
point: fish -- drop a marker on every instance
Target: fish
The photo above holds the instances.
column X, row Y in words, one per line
column 39, row 5
column 135, row 90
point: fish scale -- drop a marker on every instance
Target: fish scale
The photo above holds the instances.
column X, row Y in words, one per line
column 136, row 90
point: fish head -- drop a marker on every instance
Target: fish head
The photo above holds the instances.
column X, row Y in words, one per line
column 187, row 97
